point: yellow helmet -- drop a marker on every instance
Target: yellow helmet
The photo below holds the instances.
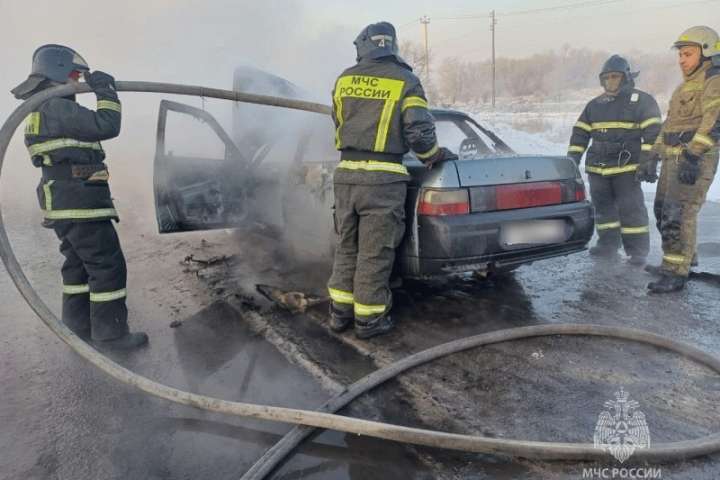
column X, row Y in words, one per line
column 704, row 37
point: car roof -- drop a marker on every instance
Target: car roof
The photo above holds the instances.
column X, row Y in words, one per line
column 444, row 112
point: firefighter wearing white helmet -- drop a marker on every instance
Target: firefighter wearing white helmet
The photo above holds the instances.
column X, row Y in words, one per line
column 688, row 149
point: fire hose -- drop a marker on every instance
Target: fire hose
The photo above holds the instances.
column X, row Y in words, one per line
column 307, row 420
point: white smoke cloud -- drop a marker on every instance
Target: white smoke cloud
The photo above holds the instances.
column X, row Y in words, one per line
column 180, row 41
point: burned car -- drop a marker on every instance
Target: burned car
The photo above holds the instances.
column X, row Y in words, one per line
column 489, row 211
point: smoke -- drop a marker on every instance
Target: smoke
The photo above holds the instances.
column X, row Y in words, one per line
column 179, row 41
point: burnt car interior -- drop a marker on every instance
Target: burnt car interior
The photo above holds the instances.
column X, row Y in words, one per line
column 195, row 193
column 200, row 193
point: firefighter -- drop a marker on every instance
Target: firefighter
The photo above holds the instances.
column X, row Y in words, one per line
column 622, row 123
column 688, row 150
column 380, row 112
column 63, row 139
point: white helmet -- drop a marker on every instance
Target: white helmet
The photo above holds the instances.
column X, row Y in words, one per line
column 704, row 37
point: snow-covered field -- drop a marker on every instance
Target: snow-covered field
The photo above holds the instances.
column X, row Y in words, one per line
column 545, row 132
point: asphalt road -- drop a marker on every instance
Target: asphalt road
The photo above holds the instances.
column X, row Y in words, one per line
column 61, row 419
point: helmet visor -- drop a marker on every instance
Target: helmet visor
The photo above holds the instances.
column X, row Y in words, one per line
column 79, row 62
column 684, row 43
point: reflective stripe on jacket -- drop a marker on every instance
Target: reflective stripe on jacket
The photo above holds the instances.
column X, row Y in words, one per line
column 380, row 112
column 62, row 134
column 695, row 110
column 620, row 128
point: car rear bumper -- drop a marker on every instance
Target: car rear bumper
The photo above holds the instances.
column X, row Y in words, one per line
column 456, row 244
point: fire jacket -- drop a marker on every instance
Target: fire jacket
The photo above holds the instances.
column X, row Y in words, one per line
column 620, row 127
column 380, row 112
column 693, row 120
column 63, row 139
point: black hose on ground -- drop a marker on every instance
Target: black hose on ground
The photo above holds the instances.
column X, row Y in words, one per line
column 527, row 449
column 276, row 454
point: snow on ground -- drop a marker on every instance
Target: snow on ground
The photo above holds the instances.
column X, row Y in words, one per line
column 540, row 131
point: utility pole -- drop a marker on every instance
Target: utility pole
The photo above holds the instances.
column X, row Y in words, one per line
column 493, row 22
column 425, row 20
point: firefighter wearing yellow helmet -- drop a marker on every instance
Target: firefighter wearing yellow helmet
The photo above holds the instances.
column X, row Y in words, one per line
column 688, row 150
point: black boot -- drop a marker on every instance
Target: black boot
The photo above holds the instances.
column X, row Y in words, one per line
column 668, row 282
column 128, row 341
column 341, row 317
column 377, row 326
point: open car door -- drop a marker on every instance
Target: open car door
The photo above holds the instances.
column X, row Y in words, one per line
column 198, row 190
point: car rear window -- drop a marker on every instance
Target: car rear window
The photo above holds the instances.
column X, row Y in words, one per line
column 460, row 137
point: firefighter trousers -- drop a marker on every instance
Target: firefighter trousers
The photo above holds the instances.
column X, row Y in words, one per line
column 621, row 215
column 676, row 210
column 370, row 223
column 94, row 278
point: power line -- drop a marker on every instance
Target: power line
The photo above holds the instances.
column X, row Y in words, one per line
column 566, row 7
column 570, row 6
column 407, row 24
column 515, row 27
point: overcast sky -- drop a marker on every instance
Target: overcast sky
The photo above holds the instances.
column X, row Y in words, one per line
column 650, row 25
column 191, row 40
column 308, row 42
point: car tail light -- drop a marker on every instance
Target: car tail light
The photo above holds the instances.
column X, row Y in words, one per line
column 444, row 202
column 579, row 190
column 573, row 190
column 525, row 195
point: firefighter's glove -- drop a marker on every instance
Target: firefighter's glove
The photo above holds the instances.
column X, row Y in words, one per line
column 441, row 155
column 647, row 169
column 98, row 80
column 689, row 168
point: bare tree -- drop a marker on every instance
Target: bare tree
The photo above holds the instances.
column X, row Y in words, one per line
column 554, row 74
column 414, row 54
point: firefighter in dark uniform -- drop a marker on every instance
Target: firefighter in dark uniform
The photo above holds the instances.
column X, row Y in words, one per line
column 380, row 112
column 623, row 124
column 63, row 139
column 688, row 150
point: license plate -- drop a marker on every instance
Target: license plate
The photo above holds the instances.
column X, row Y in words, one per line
column 536, row 232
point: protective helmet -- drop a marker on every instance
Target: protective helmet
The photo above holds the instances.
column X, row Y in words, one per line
column 704, row 37
column 50, row 63
column 377, row 40
column 616, row 63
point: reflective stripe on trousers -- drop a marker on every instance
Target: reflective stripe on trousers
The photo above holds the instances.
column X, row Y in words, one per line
column 368, row 310
column 346, row 298
column 76, row 289
column 635, row 230
column 341, row 296
column 674, row 259
column 607, row 226
column 108, row 296
column 370, row 222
